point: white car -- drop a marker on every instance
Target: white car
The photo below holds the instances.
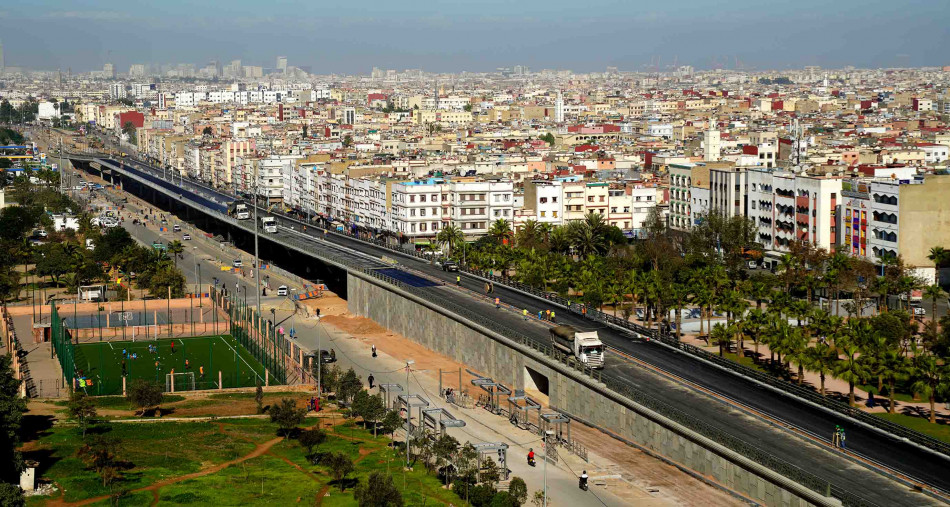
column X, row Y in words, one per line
column 186, row 236
column 237, row 263
column 282, row 290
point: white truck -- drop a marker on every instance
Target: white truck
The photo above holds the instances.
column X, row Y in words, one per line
column 269, row 224
column 239, row 210
column 585, row 345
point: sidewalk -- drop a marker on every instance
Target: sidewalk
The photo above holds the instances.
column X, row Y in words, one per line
column 620, row 475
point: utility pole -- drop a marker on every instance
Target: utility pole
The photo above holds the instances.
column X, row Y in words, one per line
column 546, row 435
column 408, row 417
column 257, row 262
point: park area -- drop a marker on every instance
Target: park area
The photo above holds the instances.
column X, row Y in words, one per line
column 195, row 363
column 244, row 461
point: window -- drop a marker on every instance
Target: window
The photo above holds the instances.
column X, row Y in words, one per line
column 422, row 198
column 544, row 214
column 554, row 214
column 553, row 199
column 543, row 200
column 412, row 198
column 590, row 198
column 603, row 198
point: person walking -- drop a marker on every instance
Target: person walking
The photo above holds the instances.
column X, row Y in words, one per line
column 373, row 348
column 525, row 313
column 548, row 314
column 370, row 379
column 458, row 280
column 201, row 371
column 841, row 438
column 173, row 346
column 553, row 318
column 836, row 436
column 497, row 303
column 540, row 313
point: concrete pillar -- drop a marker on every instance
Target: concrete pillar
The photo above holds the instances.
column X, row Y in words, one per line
column 266, row 377
column 123, row 385
column 220, row 384
column 173, row 382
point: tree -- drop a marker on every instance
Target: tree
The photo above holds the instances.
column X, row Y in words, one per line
column 722, row 335
column 145, row 395
column 311, row 438
column 452, row 236
column 897, row 368
column 259, row 398
column 934, row 292
column 444, row 448
column 100, row 455
column 129, row 130
column 11, row 495
column 849, row 368
column 500, row 230
column 348, row 386
column 821, row 359
column 930, row 375
column 373, row 410
column 518, row 489
column 340, row 465
column 489, row 473
column 548, row 138
column 175, row 250
column 538, row 498
column 347, row 141
column 503, row 499
column 391, row 422
column 286, row 415
column 378, row 491
column 12, row 407
column 207, row 131
column 82, row 409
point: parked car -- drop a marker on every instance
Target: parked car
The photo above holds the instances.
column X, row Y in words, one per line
column 752, row 265
column 282, row 290
column 186, row 236
column 237, row 263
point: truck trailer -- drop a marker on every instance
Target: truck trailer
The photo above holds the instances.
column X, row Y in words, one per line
column 585, row 345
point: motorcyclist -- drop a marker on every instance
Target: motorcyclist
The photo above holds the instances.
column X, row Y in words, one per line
column 531, row 456
column 583, row 480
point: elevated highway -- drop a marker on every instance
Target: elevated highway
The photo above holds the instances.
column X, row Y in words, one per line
column 791, row 431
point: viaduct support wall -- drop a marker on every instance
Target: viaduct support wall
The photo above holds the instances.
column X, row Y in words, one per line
column 506, row 361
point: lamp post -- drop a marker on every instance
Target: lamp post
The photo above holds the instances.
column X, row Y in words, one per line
column 547, row 434
column 408, row 415
column 257, row 261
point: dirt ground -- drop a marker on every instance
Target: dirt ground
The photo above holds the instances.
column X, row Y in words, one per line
column 645, row 480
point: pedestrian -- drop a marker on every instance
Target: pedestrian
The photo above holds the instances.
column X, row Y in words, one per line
column 497, row 303
column 156, row 365
column 173, row 346
column 836, row 436
column 374, row 350
column 548, row 314
column 370, row 379
column 553, row 319
column 318, row 313
column 458, row 280
column 871, row 401
column 841, row 438
column 540, row 313
column 187, row 365
column 525, row 313
column 125, row 353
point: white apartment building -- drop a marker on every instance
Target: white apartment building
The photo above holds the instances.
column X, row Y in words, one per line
column 727, row 190
column 785, row 207
column 544, row 202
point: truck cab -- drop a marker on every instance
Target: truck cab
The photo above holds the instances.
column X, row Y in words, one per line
column 584, row 345
column 269, row 224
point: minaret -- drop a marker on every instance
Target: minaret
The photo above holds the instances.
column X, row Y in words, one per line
column 712, row 148
column 435, row 94
column 559, row 108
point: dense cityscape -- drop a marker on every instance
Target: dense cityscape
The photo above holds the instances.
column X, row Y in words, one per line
column 239, row 282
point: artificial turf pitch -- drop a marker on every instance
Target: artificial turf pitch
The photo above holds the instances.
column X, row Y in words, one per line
column 100, row 364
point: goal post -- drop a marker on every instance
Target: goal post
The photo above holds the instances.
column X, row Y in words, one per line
column 179, row 382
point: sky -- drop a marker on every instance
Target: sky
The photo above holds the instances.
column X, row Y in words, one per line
column 477, row 35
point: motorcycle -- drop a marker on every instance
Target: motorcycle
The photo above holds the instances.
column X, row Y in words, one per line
column 531, row 462
column 582, row 482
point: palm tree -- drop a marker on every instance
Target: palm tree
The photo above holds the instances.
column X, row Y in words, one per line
column 559, row 240
column 704, row 299
column 175, row 250
column 821, row 359
column 896, row 367
column 940, row 256
column 929, row 374
column 934, row 292
column 722, row 335
column 798, row 352
column 634, row 285
column 500, row 230
column 753, row 326
column 530, row 236
column 585, row 239
column 836, row 268
column 788, row 267
column 850, row 369
column 452, row 236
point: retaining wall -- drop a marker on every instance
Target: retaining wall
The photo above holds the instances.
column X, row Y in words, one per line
column 507, row 362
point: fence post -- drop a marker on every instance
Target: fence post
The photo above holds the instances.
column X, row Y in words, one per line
column 266, row 377
column 220, row 384
column 123, row 385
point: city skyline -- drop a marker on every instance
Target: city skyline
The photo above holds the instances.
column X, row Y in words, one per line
column 438, row 37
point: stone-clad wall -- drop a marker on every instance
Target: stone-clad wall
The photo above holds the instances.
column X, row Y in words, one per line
column 507, row 362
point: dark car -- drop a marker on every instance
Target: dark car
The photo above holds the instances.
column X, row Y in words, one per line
column 450, row 266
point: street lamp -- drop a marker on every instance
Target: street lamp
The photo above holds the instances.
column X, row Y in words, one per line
column 547, row 433
column 409, row 363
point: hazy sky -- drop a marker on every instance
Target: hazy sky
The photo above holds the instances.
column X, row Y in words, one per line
column 477, row 35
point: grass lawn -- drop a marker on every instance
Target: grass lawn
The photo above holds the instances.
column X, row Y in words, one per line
column 938, row 431
column 745, row 360
column 102, row 363
column 280, row 476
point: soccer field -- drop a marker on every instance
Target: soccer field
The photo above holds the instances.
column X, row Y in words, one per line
column 100, row 366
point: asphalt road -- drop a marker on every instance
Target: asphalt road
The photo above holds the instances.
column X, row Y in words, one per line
column 897, row 455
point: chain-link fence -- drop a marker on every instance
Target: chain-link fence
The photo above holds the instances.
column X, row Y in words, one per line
column 257, row 335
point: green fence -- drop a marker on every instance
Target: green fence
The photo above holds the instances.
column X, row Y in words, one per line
column 62, row 345
column 257, row 335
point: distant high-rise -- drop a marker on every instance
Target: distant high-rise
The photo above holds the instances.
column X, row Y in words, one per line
column 559, row 108
column 282, row 63
column 108, row 71
column 137, row 70
column 1, row 57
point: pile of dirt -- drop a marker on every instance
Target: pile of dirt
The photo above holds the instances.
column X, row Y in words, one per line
column 358, row 326
column 329, row 304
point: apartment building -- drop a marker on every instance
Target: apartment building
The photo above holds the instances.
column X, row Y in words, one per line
column 786, row 207
column 689, row 194
column 887, row 217
column 727, row 190
column 544, row 201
